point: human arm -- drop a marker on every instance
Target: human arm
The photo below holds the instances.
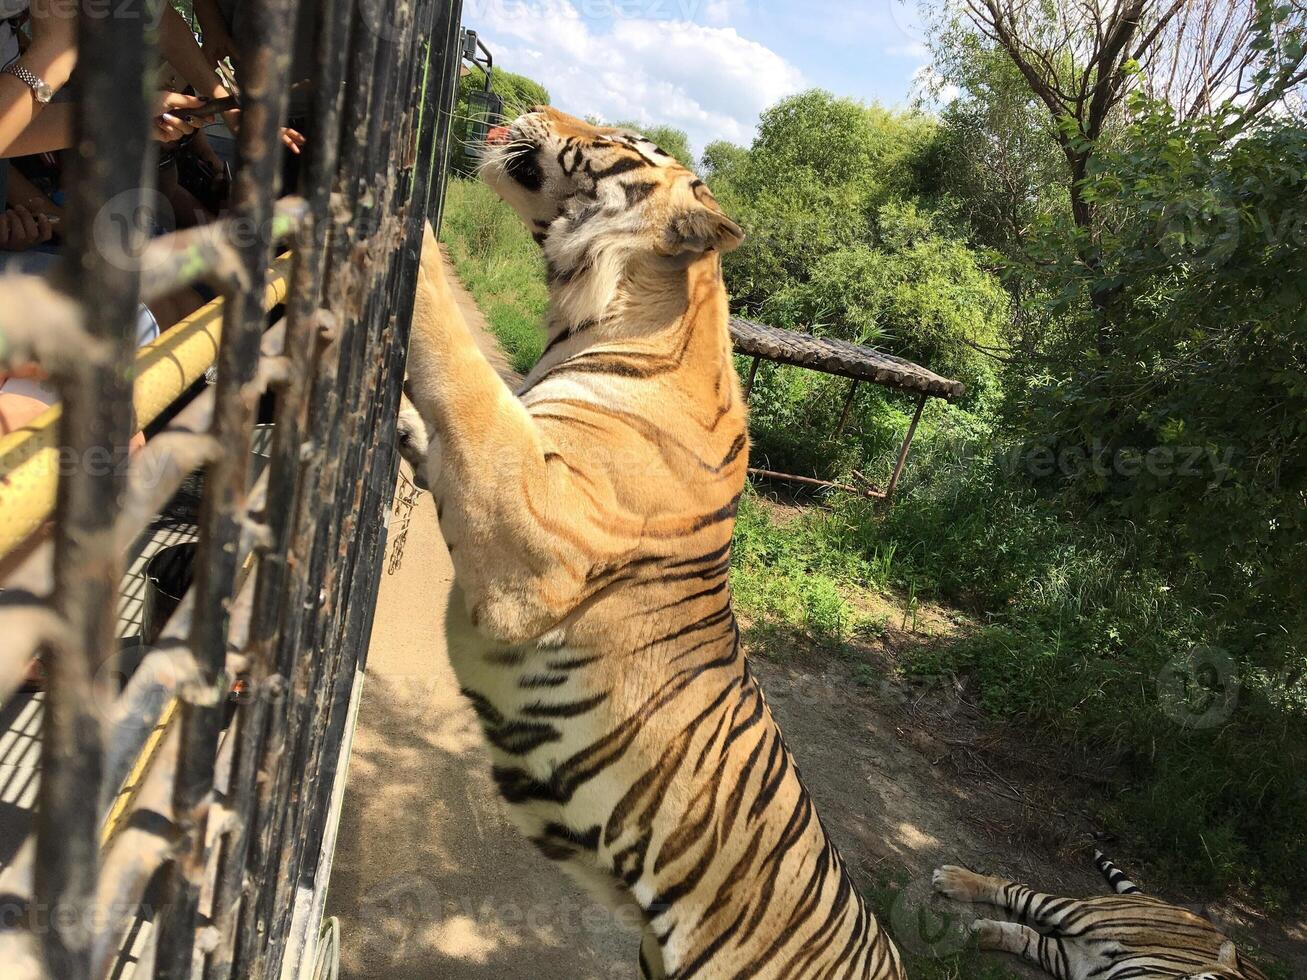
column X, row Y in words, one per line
column 51, row 56
column 218, row 43
column 178, row 47
column 23, row 193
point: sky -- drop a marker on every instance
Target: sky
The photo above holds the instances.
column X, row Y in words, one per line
column 708, row 67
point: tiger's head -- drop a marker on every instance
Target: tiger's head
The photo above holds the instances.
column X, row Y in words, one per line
column 598, row 199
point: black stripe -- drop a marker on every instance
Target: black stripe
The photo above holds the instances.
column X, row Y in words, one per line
column 569, row 709
column 637, row 191
column 622, row 166
column 521, row 737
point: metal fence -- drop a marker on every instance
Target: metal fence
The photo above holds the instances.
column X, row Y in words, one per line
column 158, row 809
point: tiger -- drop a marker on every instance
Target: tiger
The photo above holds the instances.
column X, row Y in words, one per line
column 588, row 517
column 1125, row 935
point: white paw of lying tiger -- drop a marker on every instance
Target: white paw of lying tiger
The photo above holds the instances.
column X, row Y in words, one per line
column 1123, row 936
column 956, row 883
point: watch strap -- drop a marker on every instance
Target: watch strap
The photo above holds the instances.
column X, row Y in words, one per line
column 29, row 78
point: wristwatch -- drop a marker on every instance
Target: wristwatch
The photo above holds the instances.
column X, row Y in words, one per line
column 40, row 90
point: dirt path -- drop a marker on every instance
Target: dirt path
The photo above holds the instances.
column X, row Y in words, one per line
column 432, row 882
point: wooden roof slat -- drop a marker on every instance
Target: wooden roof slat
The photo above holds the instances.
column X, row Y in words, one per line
column 834, row 356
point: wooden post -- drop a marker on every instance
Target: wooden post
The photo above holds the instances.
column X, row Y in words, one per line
column 753, row 371
column 903, row 450
column 848, row 404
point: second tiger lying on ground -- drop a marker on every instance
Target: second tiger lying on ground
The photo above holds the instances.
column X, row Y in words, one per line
column 589, row 520
column 1124, row 936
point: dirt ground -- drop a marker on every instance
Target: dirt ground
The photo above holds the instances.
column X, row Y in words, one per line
column 431, row 881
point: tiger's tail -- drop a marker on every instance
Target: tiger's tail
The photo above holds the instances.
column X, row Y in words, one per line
column 1113, row 875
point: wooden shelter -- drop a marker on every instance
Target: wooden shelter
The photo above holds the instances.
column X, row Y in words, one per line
column 830, row 355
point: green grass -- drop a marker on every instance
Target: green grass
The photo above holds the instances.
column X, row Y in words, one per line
column 500, row 265
column 1079, row 628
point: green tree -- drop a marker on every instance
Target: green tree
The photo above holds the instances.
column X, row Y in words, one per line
column 722, row 161
column 672, row 141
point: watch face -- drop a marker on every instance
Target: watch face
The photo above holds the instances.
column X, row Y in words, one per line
column 43, row 92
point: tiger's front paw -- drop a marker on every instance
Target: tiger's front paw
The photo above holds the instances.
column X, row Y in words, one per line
column 957, row 883
column 413, row 441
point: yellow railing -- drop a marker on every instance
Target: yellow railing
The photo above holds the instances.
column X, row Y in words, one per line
column 165, row 368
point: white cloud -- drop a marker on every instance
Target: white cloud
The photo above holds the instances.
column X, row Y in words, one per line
column 916, row 50
column 930, row 88
column 708, row 80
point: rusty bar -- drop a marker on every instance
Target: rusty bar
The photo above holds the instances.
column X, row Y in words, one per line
column 265, row 71
column 350, row 584
column 249, row 798
column 111, row 120
column 371, row 163
column 206, row 253
column 310, row 577
column 903, row 450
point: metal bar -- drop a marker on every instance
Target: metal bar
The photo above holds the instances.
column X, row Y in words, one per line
column 310, row 697
column 249, row 797
column 253, row 822
column 111, row 121
column 265, row 72
column 903, row 450
column 445, row 55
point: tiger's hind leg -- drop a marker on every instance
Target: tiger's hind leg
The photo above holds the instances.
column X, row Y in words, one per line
column 651, row 958
column 1046, row 952
column 1024, row 904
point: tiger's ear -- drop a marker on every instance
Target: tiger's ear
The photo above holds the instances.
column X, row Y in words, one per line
column 1228, row 957
column 697, row 229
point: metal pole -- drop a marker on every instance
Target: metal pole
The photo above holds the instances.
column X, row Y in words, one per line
column 111, row 121
column 265, row 75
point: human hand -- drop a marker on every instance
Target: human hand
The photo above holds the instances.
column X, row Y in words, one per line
column 169, row 126
column 20, row 229
column 292, row 139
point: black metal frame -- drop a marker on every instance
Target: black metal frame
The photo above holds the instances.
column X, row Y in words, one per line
column 289, row 565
